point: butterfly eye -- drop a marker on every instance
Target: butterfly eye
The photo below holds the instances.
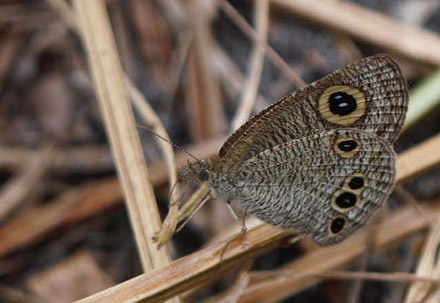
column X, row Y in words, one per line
column 203, row 175
column 347, row 147
column 342, row 105
column 337, row 225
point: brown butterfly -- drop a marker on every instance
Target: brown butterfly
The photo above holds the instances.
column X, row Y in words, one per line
column 320, row 161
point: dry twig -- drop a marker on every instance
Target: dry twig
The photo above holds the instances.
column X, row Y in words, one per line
column 261, row 17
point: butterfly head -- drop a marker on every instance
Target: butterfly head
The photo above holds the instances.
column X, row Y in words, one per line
column 197, row 173
column 210, row 172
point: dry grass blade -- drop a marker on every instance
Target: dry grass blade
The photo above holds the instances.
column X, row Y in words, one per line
column 147, row 113
column 271, row 53
column 398, row 277
column 239, row 285
column 429, row 266
column 194, row 270
column 261, row 17
column 368, row 26
column 77, row 159
column 119, row 122
column 72, row 206
column 204, row 265
column 25, row 182
column 405, row 196
column 10, row 294
column 150, row 117
column 232, row 77
column 202, row 92
column 425, row 156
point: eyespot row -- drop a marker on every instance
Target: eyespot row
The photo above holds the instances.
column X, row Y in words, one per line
column 346, row 199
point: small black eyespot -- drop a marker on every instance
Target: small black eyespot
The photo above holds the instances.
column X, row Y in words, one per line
column 337, row 225
column 347, row 145
column 203, row 175
column 342, row 104
column 356, row 183
column 346, row 200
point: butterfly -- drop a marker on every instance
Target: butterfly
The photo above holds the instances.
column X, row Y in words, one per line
column 320, row 161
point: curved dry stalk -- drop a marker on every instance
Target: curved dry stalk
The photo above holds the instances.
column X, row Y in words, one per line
column 261, row 17
column 241, row 282
column 405, row 196
column 271, row 53
column 25, row 183
column 150, row 117
column 232, row 77
column 429, row 266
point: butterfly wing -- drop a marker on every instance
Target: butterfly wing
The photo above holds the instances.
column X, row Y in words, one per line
column 369, row 94
column 323, row 186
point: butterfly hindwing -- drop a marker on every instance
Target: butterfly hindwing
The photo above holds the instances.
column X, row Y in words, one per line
column 324, row 186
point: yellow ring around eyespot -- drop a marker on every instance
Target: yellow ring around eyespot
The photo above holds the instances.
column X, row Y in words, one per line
column 330, row 225
column 324, row 106
column 348, row 179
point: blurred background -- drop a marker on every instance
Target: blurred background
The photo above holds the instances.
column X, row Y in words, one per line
column 64, row 230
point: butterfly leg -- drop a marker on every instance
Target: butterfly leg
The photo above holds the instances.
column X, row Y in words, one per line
column 240, row 221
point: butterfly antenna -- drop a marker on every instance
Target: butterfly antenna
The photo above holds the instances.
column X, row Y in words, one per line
column 171, row 143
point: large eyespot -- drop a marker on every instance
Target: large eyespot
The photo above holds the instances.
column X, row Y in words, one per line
column 337, row 225
column 344, row 200
column 346, row 147
column 342, row 105
column 203, row 175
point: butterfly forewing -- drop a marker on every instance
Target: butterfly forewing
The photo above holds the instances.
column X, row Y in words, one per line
column 369, row 95
column 308, row 184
